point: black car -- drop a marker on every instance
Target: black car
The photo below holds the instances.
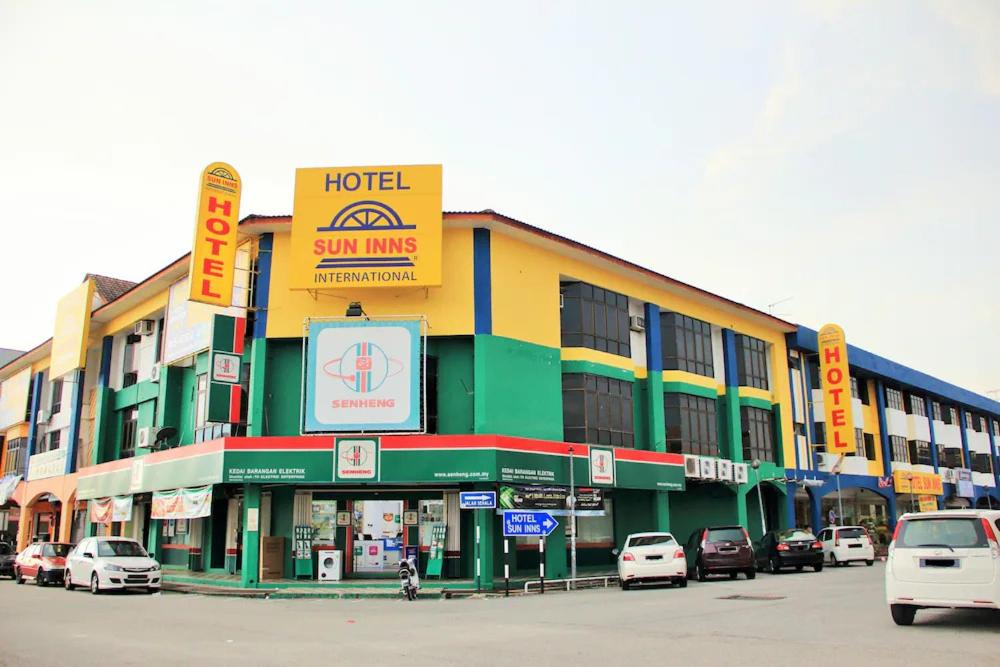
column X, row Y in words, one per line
column 794, row 547
column 7, row 555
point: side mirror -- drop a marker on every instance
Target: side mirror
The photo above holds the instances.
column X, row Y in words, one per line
column 152, row 555
column 615, row 551
column 87, row 554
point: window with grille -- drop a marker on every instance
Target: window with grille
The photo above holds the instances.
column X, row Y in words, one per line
column 687, row 344
column 893, row 399
column 597, row 410
column 130, row 361
column 751, row 361
column 981, row 463
column 55, row 402
column 758, row 439
column 900, row 450
column 920, row 452
column 129, row 434
column 952, row 457
column 936, row 411
column 916, row 405
column 595, row 318
column 691, row 424
column 859, row 442
column 17, row 452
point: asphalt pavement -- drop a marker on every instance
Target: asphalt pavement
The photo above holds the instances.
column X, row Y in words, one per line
column 836, row 617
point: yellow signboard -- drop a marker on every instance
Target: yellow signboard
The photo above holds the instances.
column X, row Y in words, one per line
column 69, row 342
column 366, row 227
column 927, row 503
column 14, row 398
column 836, row 390
column 213, row 255
column 926, row 483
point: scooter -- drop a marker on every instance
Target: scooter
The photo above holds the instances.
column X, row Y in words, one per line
column 409, row 580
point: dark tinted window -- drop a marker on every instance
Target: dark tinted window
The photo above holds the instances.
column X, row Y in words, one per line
column 955, row 533
column 597, row 410
column 5, row 549
column 109, row 548
column 687, row 344
column 751, row 361
column 691, row 424
column 595, row 318
column 650, row 540
column 795, row 534
column 845, row 533
column 758, row 442
column 726, row 535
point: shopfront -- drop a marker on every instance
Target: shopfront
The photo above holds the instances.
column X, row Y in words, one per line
column 916, row 491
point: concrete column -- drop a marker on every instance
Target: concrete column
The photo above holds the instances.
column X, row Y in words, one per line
column 654, row 381
column 155, row 538
column 24, row 527
column 66, row 522
column 489, row 533
column 258, row 387
column 966, row 456
column 661, row 511
column 251, row 538
column 556, row 566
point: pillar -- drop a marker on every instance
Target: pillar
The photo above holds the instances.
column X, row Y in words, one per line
column 103, row 409
column 489, row 534
column 661, row 511
column 258, row 387
column 66, row 522
column 816, row 510
column 556, row 552
column 929, row 409
column 24, row 527
column 76, row 403
column 251, row 538
column 966, row 456
column 155, row 538
column 36, row 402
column 790, row 491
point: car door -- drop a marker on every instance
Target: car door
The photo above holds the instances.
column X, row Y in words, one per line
column 30, row 568
column 826, row 537
column 83, row 566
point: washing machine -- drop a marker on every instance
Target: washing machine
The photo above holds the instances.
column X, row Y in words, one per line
column 330, row 565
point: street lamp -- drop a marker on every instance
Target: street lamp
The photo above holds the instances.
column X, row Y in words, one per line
column 571, row 501
column 760, row 499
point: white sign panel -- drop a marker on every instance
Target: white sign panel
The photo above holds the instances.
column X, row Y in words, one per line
column 226, row 367
column 14, row 398
column 357, row 459
column 47, row 464
column 602, row 466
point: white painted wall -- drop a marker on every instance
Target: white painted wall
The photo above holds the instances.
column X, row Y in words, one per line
column 718, row 356
column 896, row 423
column 638, row 338
column 983, row 479
column 978, row 442
column 947, row 434
column 799, row 414
column 918, row 428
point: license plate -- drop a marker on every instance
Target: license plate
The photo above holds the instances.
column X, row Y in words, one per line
column 940, row 562
column 853, row 546
column 654, row 557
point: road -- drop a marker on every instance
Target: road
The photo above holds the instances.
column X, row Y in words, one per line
column 836, row 617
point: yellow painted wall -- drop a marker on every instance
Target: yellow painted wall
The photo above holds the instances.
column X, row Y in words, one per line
column 695, row 379
column 448, row 309
column 130, row 316
column 598, row 357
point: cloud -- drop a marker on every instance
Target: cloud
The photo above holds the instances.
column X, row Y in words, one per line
column 980, row 22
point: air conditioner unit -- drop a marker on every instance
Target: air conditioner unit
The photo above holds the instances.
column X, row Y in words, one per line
column 725, row 469
column 42, row 417
column 692, row 467
column 740, row 473
column 154, row 373
column 144, row 437
column 637, row 323
column 144, row 327
column 707, row 468
column 947, row 475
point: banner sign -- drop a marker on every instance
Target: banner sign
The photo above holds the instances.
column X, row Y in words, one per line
column 602, row 466
column 188, row 325
column 363, row 376
column 927, row 503
column 550, row 498
column 963, row 483
column 182, row 503
column 7, row 485
column 14, row 398
column 836, row 383
column 356, row 227
column 225, row 365
column 926, row 483
column 213, row 255
column 69, row 342
column 100, row 510
column 47, row 464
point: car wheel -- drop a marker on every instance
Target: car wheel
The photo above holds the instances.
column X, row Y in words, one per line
column 869, row 563
column 798, row 568
column 67, row 581
column 772, row 565
column 699, row 572
column 40, row 577
column 682, row 583
column 818, row 567
column 95, row 584
column 902, row 614
column 18, row 577
column 833, row 560
column 751, row 573
column 733, row 575
column 625, row 586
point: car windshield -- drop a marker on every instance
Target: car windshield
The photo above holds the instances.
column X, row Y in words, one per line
column 845, row 533
column 794, row 534
column 726, row 535
column 119, row 548
column 56, row 550
column 952, row 533
column 650, row 540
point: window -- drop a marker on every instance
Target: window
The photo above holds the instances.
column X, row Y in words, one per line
column 968, row 420
column 130, row 418
column 819, row 428
column 597, row 410
column 201, row 402
column 936, row 411
column 950, row 415
column 323, row 519
column 900, row 450
column 859, row 442
column 920, row 452
column 691, row 424
column 869, row 446
column 952, row 457
column 996, row 428
column 861, row 387
column 130, row 360
column 978, row 424
column 17, row 451
column 854, row 387
column 916, row 405
column 751, row 361
column 981, row 463
column 595, row 318
column 55, row 403
column 54, row 439
column 893, row 399
column 48, row 442
column 687, row 344
column 758, row 442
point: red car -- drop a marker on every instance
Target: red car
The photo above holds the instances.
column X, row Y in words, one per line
column 45, row 562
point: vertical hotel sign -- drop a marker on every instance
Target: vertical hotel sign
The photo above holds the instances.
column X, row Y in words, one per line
column 836, row 390
column 366, row 227
column 213, row 255
column 69, row 341
column 363, row 376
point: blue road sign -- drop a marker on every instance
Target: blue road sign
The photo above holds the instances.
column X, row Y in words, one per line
column 522, row 523
column 472, row 500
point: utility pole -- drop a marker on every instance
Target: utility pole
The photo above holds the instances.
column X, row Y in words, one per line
column 571, row 500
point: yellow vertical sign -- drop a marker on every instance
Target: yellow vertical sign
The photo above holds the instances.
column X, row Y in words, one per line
column 213, row 255
column 69, row 340
column 836, row 378
column 366, row 227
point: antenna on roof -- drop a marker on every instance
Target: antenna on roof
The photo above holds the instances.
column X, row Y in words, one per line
column 770, row 306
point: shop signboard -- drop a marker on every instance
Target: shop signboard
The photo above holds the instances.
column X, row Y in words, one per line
column 14, row 398
column 69, row 342
column 213, row 253
column 363, row 375
column 356, row 460
column 640, row 469
column 358, row 227
column 602, row 466
column 188, row 324
column 47, row 464
column 551, row 498
column 964, row 487
column 225, row 393
column 836, row 390
column 927, row 503
column 926, row 483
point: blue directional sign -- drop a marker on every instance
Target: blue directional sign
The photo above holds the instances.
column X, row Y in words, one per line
column 472, row 500
column 522, row 523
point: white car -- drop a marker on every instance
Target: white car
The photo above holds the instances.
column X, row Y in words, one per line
column 845, row 544
column 107, row 563
column 949, row 559
column 651, row 557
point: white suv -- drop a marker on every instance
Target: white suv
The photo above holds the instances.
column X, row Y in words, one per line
column 948, row 559
column 105, row 563
column 844, row 544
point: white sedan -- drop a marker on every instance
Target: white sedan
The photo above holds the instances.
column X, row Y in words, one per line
column 651, row 557
column 105, row 563
column 845, row 544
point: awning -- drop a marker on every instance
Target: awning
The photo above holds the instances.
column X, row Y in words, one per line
column 7, row 485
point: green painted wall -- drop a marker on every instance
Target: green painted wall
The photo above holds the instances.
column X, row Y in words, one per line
column 518, row 388
column 640, row 413
column 703, row 505
column 282, row 510
column 283, row 382
column 455, row 400
column 633, row 513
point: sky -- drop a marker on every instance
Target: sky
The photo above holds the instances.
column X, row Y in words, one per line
column 824, row 161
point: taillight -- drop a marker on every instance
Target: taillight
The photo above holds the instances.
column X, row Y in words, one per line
column 782, row 547
column 679, row 553
column 836, row 538
column 895, row 533
column 704, row 538
column 628, row 556
column 817, row 545
column 746, row 535
column 991, row 537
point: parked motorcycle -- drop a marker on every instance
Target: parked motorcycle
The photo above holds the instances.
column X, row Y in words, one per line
column 409, row 580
